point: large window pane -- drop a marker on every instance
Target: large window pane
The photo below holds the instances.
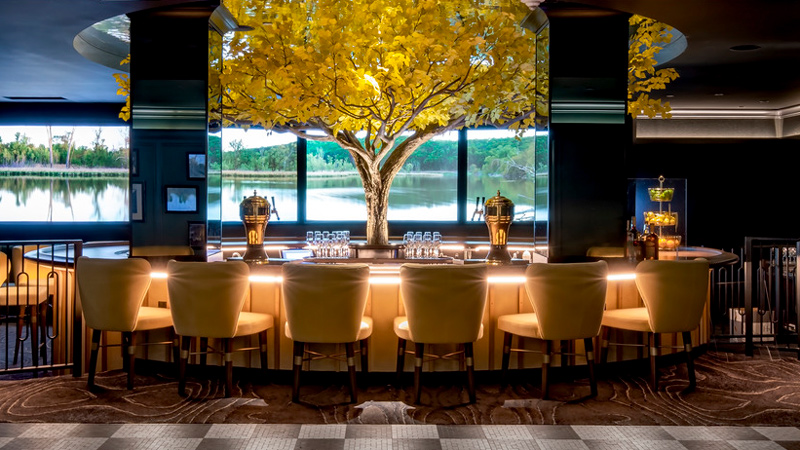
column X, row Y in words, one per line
column 64, row 173
column 498, row 161
column 425, row 189
column 260, row 161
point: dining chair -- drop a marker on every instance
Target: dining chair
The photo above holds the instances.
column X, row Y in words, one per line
column 444, row 304
column 568, row 301
column 325, row 304
column 206, row 301
column 111, row 295
column 674, row 293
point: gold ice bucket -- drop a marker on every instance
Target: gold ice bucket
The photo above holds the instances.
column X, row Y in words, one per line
column 498, row 213
column 254, row 212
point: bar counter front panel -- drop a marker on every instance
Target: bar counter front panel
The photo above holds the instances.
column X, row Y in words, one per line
column 506, row 296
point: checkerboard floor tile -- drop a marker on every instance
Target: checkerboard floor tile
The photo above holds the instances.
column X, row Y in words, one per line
column 391, row 437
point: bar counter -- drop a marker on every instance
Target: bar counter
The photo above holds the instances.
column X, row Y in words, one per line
column 506, row 296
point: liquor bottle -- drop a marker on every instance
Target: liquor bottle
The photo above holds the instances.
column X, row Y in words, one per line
column 649, row 243
column 633, row 252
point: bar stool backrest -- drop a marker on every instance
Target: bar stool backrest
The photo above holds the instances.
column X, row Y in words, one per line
column 325, row 302
column 568, row 298
column 674, row 292
column 112, row 291
column 4, row 267
column 444, row 303
column 206, row 297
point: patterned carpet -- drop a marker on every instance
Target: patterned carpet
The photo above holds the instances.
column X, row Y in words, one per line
column 732, row 390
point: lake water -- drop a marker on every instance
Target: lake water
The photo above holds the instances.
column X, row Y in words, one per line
column 413, row 197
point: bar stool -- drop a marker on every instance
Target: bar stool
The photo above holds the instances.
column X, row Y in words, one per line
column 206, row 300
column 23, row 290
column 568, row 300
column 325, row 304
column 111, row 295
column 674, row 295
column 444, row 305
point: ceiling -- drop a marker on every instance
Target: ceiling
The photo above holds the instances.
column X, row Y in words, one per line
column 38, row 61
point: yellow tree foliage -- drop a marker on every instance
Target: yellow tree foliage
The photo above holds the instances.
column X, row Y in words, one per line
column 643, row 78
column 379, row 77
column 124, row 83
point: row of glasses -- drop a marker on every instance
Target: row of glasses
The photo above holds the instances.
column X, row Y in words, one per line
column 329, row 244
column 422, row 244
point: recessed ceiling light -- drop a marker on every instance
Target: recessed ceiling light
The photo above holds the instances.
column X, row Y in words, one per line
column 763, row 101
column 670, row 95
column 718, row 94
column 745, row 48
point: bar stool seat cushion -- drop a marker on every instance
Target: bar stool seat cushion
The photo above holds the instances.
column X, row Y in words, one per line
column 252, row 323
column 636, row 319
column 153, row 318
column 403, row 332
column 25, row 294
column 526, row 325
column 363, row 333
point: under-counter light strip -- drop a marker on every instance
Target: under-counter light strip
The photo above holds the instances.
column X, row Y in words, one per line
column 394, row 279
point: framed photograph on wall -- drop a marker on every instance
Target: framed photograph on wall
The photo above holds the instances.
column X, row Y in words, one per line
column 180, row 199
column 196, row 166
column 137, row 202
column 197, row 235
column 134, row 163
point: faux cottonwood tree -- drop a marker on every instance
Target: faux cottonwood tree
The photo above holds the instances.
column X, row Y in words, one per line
column 647, row 40
column 379, row 77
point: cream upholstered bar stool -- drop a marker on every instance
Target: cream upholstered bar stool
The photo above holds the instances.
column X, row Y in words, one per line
column 206, row 300
column 325, row 305
column 674, row 295
column 111, row 294
column 568, row 301
column 444, row 304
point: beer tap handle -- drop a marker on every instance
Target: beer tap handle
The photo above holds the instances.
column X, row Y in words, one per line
column 478, row 209
column 274, row 209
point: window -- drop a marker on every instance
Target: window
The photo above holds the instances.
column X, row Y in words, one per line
column 262, row 162
column 64, row 174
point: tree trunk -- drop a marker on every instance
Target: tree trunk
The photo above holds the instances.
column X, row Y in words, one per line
column 376, row 194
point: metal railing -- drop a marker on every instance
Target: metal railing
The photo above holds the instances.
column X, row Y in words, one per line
column 41, row 324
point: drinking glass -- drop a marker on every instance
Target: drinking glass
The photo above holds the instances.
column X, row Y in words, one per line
column 427, row 245
column 418, row 245
column 310, row 240
column 437, row 244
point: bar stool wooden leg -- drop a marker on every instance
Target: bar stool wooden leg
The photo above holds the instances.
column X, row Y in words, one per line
column 227, row 343
column 654, row 343
column 131, row 355
column 297, row 365
column 419, row 353
column 262, row 344
column 547, row 349
column 470, row 362
column 687, row 345
column 401, row 358
column 184, row 359
column 507, row 340
column 351, row 370
column 93, row 356
column 589, row 346
column 203, row 351
column 363, row 347
column 603, row 345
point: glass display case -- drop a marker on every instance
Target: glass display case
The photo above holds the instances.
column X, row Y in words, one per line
column 661, row 203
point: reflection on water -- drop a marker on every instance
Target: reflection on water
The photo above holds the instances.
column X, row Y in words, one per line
column 45, row 199
column 413, row 197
